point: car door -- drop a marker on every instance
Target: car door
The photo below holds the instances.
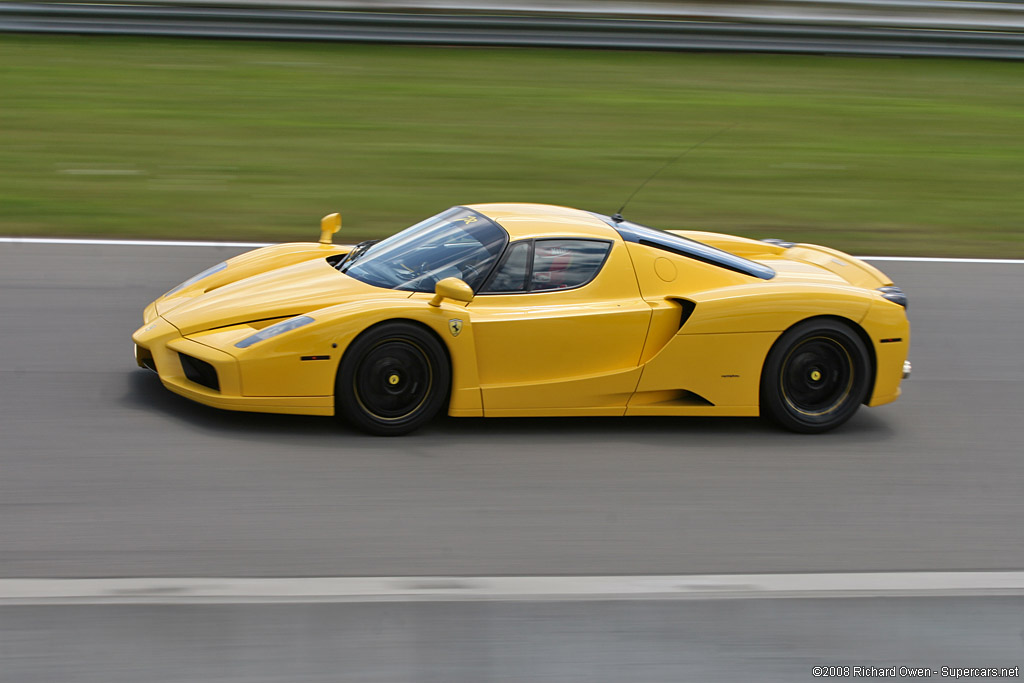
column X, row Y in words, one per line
column 559, row 328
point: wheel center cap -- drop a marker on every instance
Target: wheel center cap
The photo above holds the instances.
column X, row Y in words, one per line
column 815, row 375
column 393, row 380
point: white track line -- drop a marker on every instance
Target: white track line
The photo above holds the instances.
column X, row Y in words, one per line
column 527, row 588
column 254, row 245
column 939, row 259
column 129, row 243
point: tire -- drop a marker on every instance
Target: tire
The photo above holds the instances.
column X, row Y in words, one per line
column 393, row 379
column 816, row 376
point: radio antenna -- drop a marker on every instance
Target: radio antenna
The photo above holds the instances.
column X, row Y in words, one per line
column 618, row 214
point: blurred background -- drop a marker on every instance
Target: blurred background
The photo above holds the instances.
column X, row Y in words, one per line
column 137, row 529
column 390, row 111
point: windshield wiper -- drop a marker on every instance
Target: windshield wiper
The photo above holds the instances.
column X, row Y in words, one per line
column 353, row 255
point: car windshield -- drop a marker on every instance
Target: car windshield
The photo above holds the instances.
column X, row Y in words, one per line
column 456, row 243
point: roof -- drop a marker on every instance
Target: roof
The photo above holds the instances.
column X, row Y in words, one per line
column 523, row 221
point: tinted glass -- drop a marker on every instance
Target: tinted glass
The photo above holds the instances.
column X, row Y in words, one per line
column 511, row 274
column 457, row 243
column 677, row 244
column 561, row 264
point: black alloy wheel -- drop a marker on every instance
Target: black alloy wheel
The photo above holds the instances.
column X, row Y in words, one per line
column 393, row 379
column 816, row 376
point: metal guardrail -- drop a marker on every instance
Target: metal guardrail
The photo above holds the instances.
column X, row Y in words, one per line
column 999, row 36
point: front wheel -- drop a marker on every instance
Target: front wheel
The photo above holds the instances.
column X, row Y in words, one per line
column 816, row 376
column 393, row 379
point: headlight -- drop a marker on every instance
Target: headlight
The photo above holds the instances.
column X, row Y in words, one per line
column 274, row 330
column 894, row 294
column 196, row 278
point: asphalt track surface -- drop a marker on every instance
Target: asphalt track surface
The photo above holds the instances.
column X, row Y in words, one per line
column 597, row 642
column 106, row 473
column 103, row 473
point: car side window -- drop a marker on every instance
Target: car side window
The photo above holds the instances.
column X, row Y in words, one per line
column 547, row 265
column 563, row 264
column 511, row 273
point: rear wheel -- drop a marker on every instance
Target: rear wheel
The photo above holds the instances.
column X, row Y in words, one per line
column 815, row 377
column 393, row 379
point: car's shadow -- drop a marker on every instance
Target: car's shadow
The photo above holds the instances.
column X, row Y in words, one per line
column 144, row 391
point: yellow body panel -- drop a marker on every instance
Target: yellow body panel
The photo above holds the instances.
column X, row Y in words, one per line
column 655, row 333
column 578, row 348
column 889, row 322
column 722, row 369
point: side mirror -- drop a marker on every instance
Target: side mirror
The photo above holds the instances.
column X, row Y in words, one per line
column 329, row 224
column 451, row 288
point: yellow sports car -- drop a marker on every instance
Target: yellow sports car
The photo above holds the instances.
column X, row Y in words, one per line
column 533, row 310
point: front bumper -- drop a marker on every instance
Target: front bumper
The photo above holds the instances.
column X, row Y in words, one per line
column 160, row 347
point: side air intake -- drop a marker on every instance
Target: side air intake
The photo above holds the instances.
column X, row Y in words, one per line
column 687, row 307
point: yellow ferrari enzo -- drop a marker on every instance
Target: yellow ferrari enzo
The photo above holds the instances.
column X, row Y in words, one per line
column 533, row 310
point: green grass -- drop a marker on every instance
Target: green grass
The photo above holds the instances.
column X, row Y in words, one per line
column 251, row 140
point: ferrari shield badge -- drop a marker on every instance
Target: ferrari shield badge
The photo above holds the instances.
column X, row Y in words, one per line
column 455, row 326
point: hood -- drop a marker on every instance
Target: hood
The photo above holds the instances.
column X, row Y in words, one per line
column 279, row 293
